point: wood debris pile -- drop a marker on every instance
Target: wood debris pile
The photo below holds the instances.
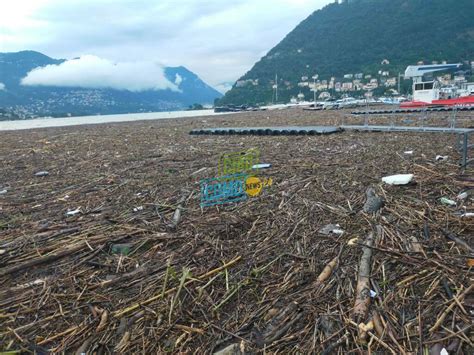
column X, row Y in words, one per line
column 140, row 267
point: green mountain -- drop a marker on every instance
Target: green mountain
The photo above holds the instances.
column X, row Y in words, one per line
column 355, row 36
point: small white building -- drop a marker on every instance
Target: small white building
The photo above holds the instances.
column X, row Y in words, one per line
column 469, row 87
column 346, row 87
column 371, row 86
column 460, row 79
column 357, row 85
column 391, row 82
column 324, row 95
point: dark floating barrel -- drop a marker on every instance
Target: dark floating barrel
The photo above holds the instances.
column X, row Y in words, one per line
column 274, row 131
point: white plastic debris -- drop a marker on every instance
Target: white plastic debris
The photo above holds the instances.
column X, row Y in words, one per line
column 3, row 192
column 468, row 214
column 2, row 251
column 261, row 166
column 447, row 201
column 331, row 228
column 373, row 294
column 33, row 283
column 137, row 209
column 441, row 157
column 408, row 152
column 74, row 212
column 465, row 194
column 42, row 173
column 444, row 352
column 400, row 179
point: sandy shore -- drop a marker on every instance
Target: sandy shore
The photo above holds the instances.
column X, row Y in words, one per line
column 65, row 289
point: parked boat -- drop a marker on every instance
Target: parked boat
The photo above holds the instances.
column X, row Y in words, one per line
column 235, row 108
column 427, row 93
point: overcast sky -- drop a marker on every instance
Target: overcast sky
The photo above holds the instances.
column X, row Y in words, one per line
column 217, row 39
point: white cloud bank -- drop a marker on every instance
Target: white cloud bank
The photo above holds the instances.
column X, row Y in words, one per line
column 2, row 86
column 90, row 71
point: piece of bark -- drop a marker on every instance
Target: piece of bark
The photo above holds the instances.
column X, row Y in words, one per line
column 281, row 323
column 362, row 300
column 415, row 245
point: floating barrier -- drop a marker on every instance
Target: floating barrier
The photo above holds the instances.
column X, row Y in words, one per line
column 268, row 131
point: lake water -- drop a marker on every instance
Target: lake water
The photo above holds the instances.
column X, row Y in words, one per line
column 74, row 121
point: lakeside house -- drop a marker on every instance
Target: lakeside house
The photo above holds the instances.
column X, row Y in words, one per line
column 391, row 82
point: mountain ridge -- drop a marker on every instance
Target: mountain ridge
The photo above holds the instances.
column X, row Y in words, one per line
column 30, row 101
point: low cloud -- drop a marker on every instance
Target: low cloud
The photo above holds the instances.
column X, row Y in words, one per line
column 223, row 87
column 2, row 86
column 178, row 80
column 90, row 71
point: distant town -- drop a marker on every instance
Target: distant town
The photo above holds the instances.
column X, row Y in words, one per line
column 363, row 83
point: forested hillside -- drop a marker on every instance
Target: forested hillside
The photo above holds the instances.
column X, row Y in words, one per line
column 356, row 37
